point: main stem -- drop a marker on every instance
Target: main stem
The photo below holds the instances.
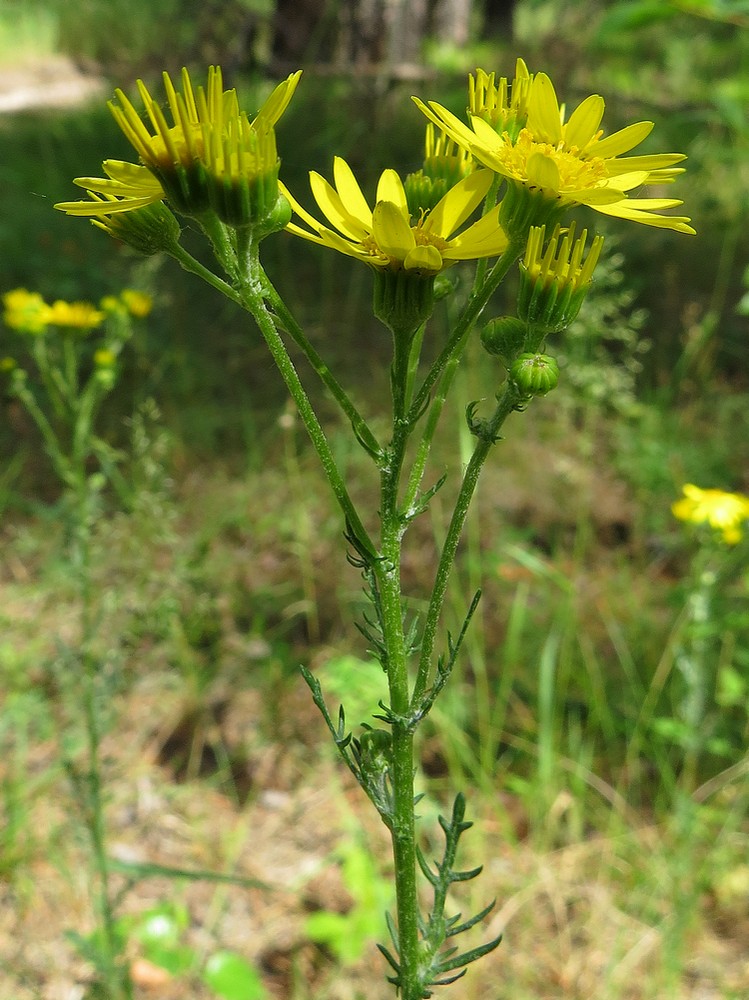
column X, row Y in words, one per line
column 403, row 827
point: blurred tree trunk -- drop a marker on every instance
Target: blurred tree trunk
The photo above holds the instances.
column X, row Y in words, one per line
column 367, row 33
column 452, row 21
column 498, row 19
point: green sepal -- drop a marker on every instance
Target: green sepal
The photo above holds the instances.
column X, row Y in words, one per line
column 403, row 300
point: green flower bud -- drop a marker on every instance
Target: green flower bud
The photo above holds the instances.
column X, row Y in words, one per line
column 444, row 285
column 504, row 337
column 535, row 374
column 149, row 230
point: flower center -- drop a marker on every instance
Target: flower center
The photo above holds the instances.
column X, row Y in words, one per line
column 575, row 174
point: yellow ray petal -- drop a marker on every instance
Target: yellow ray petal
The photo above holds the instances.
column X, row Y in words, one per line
column 542, row 172
column 544, row 119
column 330, row 202
column 656, row 161
column 390, row 188
column 622, row 210
column 621, row 141
column 446, row 121
column 459, row 203
column 423, row 258
column 584, row 122
column 350, row 192
column 391, row 230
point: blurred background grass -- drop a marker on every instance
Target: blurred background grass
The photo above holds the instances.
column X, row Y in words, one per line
column 224, row 571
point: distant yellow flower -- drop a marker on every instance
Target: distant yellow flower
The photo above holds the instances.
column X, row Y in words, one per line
column 104, row 358
column 388, row 236
column 76, row 315
column 724, row 512
column 138, row 304
column 25, row 311
column 570, row 162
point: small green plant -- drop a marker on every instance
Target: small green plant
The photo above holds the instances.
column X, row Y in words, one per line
column 159, row 935
column 348, row 934
column 494, row 194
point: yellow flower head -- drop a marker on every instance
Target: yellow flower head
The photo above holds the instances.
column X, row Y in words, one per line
column 725, row 513
column 75, row 315
column 555, row 280
column 207, row 133
column 205, row 138
column 388, row 236
column 25, row 311
column 570, row 162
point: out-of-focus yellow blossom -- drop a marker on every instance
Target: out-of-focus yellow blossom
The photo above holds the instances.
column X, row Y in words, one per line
column 7, row 364
column 570, row 162
column 725, row 513
column 388, row 236
column 76, row 315
column 104, row 358
column 25, row 311
column 138, row 304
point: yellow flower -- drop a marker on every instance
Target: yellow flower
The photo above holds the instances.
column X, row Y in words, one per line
column 208, row 138
column 388, row 236
column 554, row 281
column 571, row 162
column 76, row 315
column 25, row 311
column 724, row 512
column 138, row 304
column 208, row 133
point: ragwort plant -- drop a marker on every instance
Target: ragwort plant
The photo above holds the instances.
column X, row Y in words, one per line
column 494, row 192
column 66, row 364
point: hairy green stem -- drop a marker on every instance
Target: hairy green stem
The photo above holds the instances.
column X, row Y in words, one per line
column 387, row 569
column 252, row 298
